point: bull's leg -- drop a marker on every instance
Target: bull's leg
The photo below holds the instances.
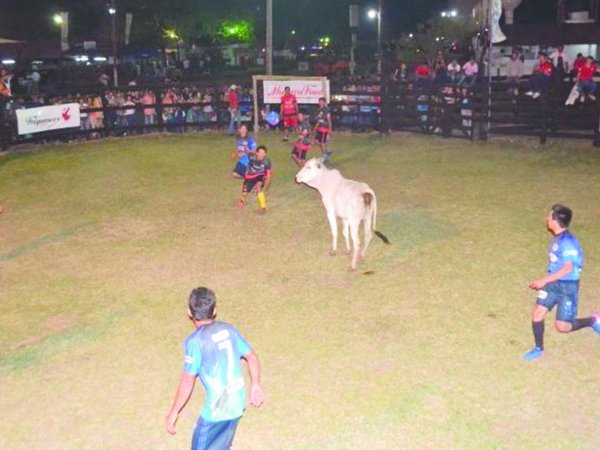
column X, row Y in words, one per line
column 368, row 224
column 355, row 242
column 334, row 232
column 346, row 232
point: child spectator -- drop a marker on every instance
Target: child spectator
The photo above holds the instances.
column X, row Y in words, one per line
column 585, row 79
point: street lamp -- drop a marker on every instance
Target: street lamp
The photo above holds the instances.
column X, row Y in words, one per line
column 112, row 10
column 57, row 18
column 376, row 14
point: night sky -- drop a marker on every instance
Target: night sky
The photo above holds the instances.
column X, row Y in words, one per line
column 28, row 19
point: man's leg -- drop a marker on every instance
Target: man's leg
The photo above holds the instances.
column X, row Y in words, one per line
column 537, row 326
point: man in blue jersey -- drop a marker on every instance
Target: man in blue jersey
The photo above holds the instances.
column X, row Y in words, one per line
column 213, row 353
column 560, row 287
column 245, row 145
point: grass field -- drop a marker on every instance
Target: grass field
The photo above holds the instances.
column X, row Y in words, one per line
column 101, row 243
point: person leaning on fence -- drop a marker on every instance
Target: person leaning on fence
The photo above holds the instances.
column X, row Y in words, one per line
column 515, row 72
column 470, row 70
column 585, row 79
column 423, row 74
column 540, row 80
column 560, row 60
column 233, row 106
column 453, row 71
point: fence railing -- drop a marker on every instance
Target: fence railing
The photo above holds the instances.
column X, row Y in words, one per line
column 446, row 110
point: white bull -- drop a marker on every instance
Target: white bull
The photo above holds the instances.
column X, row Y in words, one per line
column 351, row 201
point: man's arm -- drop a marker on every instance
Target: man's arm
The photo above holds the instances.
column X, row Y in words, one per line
column 329, row 122
column 268, row 180
column 184, row 390
column 564, row 270
column 257, row 396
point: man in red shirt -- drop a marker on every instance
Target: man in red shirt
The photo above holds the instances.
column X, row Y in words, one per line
column 540, row 80
column 233, row 107
column 585, row 79
column 289, row 112
column 423, row 74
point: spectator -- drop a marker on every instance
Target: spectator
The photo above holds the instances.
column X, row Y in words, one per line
column 34, row 78
column 401, row 72
column 453, row 71
column 423, row 74
column 470, row 71
column 103, row 79
column 540, row 80
column 129, row 113
column 149, row 113
column 585, row 79
column 560, row 60
column 579, row 61
column 5, row 78
column 515, row 72
column 439, row 67
column 234, row 110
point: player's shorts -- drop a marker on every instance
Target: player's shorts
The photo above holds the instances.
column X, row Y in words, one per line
column 565, row 294
column 250, row 183
column 214, row 435
column 240, row 169
column 290, row 121
column 300, row 150
column 322, row 134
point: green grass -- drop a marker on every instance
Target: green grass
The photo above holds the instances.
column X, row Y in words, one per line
column 101, row 243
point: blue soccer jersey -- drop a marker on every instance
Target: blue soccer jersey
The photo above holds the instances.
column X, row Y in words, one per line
column 213, row 354
column 245, row 145
column 565, row 248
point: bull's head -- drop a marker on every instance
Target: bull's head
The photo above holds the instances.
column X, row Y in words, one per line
column 313, row 169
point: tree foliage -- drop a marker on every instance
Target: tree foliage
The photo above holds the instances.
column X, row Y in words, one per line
column 449, row 35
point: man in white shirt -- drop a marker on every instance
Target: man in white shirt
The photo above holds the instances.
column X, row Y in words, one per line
column 560, row 60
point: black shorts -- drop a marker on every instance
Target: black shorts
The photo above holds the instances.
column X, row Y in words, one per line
column 321, row 136
column 250, row 183
column 240, row 169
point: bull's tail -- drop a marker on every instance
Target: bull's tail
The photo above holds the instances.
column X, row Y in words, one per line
column 369, row 198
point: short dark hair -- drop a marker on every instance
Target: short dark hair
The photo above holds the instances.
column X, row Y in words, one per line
column 562, row 215
column 261, row 147
column 202, row 303
column 286, row 88
column 322, row 98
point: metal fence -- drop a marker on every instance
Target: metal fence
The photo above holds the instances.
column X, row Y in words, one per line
column 447, row 110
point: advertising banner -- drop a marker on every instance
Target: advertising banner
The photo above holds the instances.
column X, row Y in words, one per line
column 47, row 118
column 306, row 91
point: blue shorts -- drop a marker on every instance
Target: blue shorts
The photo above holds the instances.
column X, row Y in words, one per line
column 240, row 169
column 214, row 435
column 565, row 294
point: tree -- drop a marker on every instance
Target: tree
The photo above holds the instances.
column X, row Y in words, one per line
column 446, row 34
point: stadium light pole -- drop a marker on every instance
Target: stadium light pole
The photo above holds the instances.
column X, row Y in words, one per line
column 112, row 10
column 269, row 38
column 376, row 14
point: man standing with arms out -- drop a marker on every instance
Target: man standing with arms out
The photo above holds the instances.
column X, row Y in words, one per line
column 213, row 354
column 233, row 106
column 561, row 286
column 289, row 112
column 323, row 127
column 257, row 178
column 245, row 145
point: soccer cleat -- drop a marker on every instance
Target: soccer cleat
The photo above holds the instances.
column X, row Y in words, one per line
column 596, row 326
column 535, row 95
column 533, row 354
column 529, row 93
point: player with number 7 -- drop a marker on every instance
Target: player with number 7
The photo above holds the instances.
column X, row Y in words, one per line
column 213, row 353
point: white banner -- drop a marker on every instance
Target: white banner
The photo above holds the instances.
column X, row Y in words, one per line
column 46, row 118
column 306, row 91
column 496, row 13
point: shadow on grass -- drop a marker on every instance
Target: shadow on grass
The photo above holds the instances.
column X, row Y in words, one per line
column 24, row 357
column 45, row 240
column 407, row 231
